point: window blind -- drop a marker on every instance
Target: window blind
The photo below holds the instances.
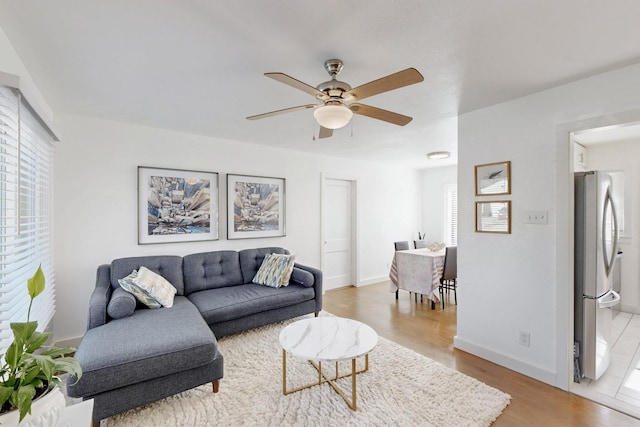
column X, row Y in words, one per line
column 26, row 183
column 451, row 216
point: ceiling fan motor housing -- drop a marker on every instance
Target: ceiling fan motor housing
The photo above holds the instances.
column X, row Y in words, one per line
column 333, row 88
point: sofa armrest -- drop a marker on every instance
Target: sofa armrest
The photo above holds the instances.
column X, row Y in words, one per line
column 317, row 283
column 100, row 298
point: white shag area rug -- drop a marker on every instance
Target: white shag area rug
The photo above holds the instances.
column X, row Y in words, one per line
column 401, row 388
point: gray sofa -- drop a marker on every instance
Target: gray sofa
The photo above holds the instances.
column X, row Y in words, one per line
column 154, row 353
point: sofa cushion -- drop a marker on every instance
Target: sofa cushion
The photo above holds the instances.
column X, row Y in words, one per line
column 167, row 341
column 222, row 304
column 156, row 285
column 209, row 270
column 129, row 284
column 122, row 304
column 168, row 266
column 251, row 260
column 275, row 270
column 302, row 277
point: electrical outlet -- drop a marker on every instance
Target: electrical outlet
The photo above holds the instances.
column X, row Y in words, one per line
column 537, row 217
column 525, row 339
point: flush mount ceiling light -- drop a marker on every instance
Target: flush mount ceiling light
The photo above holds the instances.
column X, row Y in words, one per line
column 438, row 155
column 333, row 116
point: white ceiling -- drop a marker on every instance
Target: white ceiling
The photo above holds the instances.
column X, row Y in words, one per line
column 196, row 66
column 625, row 132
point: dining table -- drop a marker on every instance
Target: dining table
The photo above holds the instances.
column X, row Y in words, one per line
column 418, row 271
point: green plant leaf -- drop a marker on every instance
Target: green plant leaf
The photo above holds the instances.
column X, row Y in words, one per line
column 5, row 393
column 36, row 341
column 12, row 356
column 23, row 330
column 35, row 285
column 55, row 352
column 24, row 398
column 68, row 365
column 46, row 365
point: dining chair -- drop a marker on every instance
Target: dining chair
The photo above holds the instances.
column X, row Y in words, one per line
column 420, row 244
column 448, row 281
column 401, row 246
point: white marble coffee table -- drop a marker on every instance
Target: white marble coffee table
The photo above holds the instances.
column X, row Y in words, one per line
column 328, row 339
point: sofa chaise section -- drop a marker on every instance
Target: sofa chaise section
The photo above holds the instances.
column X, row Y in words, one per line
column 143, row 358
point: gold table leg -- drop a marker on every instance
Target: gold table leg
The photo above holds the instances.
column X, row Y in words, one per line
column 322, row 378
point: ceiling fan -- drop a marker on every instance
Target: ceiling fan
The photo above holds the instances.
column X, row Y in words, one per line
column 338, row 100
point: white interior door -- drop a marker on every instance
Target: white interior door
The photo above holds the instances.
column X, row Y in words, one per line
column 337, row 214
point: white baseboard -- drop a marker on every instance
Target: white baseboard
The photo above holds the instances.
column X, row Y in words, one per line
column 629, row 309
column 506, row 361
column 372, row 281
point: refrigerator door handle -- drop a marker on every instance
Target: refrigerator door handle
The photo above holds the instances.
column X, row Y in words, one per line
column 610, row 299
column 609, row 258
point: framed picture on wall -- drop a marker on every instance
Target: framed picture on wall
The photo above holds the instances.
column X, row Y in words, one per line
column 493, row 217
column 493, row 179
column 255, row 207
column 176, row 205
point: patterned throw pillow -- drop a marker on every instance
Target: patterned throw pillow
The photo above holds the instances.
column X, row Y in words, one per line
column 128, row 284
column 157, row 286
column 275, row 270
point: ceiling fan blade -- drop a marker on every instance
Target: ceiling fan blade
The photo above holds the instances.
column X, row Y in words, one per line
column 288, row 80
column 380, row 114
column 393, row 81
column 325, row 132
column 285, row 110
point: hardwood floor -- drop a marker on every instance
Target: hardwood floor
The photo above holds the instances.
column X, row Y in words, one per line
column 430, row 332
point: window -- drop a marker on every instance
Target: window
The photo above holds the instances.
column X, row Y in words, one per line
column 26, row 169
column 451, row 215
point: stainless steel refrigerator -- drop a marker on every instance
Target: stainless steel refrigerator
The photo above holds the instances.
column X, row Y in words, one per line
column 596, row 247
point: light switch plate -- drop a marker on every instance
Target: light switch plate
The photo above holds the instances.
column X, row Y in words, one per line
column 537, row 217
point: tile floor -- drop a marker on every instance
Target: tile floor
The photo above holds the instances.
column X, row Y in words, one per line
column 619, row 387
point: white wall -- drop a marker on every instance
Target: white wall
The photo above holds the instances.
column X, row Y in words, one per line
column 95, row 197
column 434, row 182
column 96, row 202
column 524, row 281
column 625, row 157
column 11, row 63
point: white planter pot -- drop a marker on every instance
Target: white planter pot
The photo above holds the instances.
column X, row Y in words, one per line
column 45, row 411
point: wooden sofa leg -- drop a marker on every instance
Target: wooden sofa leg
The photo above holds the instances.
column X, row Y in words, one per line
column 216, row 385
column 95, row 423
column 317, row 313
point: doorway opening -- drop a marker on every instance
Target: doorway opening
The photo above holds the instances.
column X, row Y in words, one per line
column 615, row 150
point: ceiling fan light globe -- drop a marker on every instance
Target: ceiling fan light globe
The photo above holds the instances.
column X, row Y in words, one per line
column 333, row 116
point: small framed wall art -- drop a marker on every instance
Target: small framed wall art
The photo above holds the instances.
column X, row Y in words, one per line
column 255, row 207
column 493, row 179
column 493, row 217
column 176, row 205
